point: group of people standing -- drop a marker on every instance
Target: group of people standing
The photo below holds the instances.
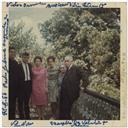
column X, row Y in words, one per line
column 33, row 83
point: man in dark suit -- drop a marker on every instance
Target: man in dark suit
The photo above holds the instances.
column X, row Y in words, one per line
column 25, row 86
column 70, row 88
column 13, row 83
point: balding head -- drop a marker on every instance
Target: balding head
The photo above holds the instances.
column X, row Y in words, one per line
column 70, row 58
column 68, row 61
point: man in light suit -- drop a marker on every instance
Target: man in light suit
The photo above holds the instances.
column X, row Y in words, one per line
column 25, row 82
column 70, row 88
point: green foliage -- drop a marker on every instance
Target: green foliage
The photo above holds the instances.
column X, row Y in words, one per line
column 20, row 38
column 91, row 36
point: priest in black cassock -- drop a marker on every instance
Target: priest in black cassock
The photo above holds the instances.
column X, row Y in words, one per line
column 13, row 83
column 70, row 88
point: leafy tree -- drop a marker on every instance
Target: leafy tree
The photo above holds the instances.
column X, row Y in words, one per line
column 20, row 38
column 92, row 36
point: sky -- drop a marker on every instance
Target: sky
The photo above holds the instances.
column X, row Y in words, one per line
column 31, row 17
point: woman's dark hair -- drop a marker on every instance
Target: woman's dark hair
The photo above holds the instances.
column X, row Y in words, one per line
column 37, row 57
column 11, row 48
column 51, row 57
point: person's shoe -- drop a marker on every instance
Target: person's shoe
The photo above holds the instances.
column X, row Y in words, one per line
column 52, row 118
column 42, row 118
column 28, row 118
column 39, row 118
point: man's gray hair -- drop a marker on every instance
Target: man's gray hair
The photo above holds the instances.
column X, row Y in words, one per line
column 69, row 57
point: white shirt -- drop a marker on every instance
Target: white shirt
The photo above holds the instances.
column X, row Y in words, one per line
column 26, row 71
column 70, row 67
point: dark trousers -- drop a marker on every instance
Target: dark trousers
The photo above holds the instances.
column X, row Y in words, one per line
column 65, row 113
column 12, row 106
column 23, row 101
column 65, row 107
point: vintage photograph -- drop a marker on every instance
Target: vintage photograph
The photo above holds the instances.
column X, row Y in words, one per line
column 64, row 63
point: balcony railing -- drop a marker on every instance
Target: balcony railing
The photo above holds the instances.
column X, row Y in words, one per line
column 92, row 105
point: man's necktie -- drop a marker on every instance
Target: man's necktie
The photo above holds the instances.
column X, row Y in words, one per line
column 26, row 71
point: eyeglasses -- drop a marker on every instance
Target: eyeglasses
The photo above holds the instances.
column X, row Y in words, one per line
column 61, row 67
column 66, row 60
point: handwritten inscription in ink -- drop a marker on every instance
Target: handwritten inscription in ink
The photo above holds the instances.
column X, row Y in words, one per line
column 4, row 104
column 5, row 29
column 25, row 123
column 78, row 123
column 4, row 65
column 59, row 5
column 16, row 4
